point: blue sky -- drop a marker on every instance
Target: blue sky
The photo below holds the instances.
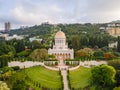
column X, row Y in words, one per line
column 32, row 12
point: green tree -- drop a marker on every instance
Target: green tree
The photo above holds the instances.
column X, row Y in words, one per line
column 103, row 75
column 76, row 43
column 98, row 54
column 20, row 85
column 39, row 54
column 52, row 56
column 115, row 64
column 5, row 49
column 19, row 45
column 4, row 60
column 105, row 49
column 17, row 81
column 118, row 45
column 23, row 53
column 117, row 77
column 85, row 53
column 6, row 69
column 3, row 86
column 84, row 40
column 116, row 88
column 36, row 45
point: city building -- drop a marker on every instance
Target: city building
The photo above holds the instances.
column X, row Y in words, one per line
column 112, row 28
column 60, row 48
column 35, row 39
column 113, row 45
column 4, row 35
column 7, row 26
column 14, row 37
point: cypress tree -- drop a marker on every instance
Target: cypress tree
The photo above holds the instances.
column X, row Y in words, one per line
column 118, row 45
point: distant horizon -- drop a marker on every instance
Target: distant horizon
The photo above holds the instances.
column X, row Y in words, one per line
column 18, row 27
column 35, row 12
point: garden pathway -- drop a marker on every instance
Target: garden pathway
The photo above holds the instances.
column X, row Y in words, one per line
column 64, row 69
column 65, row 81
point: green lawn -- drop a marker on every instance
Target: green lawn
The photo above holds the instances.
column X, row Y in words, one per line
column 80, row 78
column 45, row 77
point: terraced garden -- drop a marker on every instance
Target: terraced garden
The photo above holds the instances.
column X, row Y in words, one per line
column 80, row 78
column 45, row 77
column 38, row 78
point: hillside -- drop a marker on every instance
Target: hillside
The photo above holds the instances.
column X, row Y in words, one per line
column 47, row 29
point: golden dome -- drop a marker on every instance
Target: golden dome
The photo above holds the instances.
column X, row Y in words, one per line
column 60, row 34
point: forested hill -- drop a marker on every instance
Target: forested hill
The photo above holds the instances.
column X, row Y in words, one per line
column 69, row 29
column 78, row 35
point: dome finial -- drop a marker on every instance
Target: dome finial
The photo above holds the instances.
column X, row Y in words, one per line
column 60, row 34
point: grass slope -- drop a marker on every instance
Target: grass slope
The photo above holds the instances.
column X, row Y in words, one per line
column 47, row 78
column 80, row 78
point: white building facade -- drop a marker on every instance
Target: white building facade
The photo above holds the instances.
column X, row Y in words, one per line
column 60, row 48
column 35, row 39
column 14, row 37
column 113, row 45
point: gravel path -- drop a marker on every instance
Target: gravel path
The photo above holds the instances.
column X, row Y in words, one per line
column 65, row 81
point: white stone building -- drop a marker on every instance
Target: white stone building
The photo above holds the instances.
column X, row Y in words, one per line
column 112, row 28
column 60, row 48
column 35, row 39
column 20, row 37
column 4, row 35
column 113, row 45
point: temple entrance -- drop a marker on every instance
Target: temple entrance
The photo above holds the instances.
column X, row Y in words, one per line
column 61, row 61
column 62, row 56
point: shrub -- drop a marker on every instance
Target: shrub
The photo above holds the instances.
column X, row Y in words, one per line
column 67, row 63
column 117, row 54
column 23, row 53
column 109, row 56
column 16, row 68
column 115, row 64
column 3, row 86
column 56, row 63
column 116, row 88
column 117, row 77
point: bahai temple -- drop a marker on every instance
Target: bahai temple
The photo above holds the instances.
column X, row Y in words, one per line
column 60, row 48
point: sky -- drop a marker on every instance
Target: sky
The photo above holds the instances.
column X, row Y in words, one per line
column 35, row 12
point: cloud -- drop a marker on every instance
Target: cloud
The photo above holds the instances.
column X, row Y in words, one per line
column 31, row 12
column 36, row 13
column 102, row 10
